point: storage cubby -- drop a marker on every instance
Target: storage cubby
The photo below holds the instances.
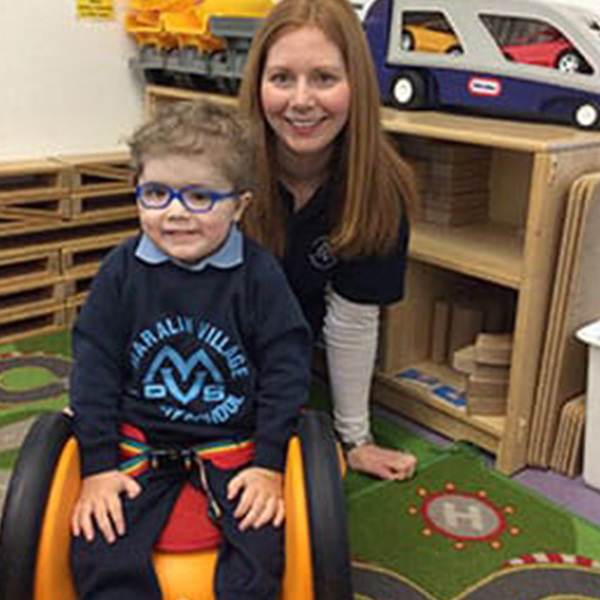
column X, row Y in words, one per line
column 509, row 251
column 58, row 219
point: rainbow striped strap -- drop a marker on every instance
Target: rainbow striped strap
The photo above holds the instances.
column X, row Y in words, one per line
column 136, row 456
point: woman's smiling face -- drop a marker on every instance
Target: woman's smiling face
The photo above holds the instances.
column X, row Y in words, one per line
column 305, row 92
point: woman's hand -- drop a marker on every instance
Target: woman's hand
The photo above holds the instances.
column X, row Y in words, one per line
column 261, row 500
column 385, row 463
column 99, row 501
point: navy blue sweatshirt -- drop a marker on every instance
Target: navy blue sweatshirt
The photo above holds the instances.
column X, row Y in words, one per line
column 189, row 356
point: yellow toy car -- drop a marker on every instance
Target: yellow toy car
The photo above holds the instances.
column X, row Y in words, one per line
column 431, row 36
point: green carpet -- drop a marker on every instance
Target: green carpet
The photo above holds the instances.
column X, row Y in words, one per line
column 33, row 379
column 461, row 530
column 458, row 531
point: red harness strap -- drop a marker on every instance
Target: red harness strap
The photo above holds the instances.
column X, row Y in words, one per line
column 189, row 527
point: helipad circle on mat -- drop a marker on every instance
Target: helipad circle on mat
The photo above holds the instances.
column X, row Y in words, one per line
column 461, row 516
column 57, row 365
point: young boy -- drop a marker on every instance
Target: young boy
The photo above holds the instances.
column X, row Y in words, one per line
column 190, row 336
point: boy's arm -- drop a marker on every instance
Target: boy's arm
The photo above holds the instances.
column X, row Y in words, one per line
column 99, row 505
column 283, row 349
column 260, row 493
column 97, row 374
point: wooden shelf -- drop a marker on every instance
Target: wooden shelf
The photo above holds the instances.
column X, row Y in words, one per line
column 484, row 131
column 489, row 251
column 422, row 402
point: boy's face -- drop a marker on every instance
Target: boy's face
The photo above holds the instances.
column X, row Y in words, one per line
column 185, row 236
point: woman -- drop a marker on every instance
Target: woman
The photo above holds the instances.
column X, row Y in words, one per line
column 333, row 198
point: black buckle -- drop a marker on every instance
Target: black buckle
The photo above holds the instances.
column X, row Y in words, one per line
column 170, row 459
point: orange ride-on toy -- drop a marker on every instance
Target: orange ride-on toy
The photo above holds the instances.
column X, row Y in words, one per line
column 35, row 527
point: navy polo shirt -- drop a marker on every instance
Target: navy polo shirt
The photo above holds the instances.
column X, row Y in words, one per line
column 310, row 265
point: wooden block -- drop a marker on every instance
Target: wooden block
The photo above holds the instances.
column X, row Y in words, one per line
column 57, row 234
column 499, row 373
column 557, row 460
column 118, row 202
column 28, row 294
column 443, row 199
column 493, row 348
column 91, row 173
column 21, row 266
column 486, row 405
column 456, row 217
column 465, row 324
column 463, row 360
column 482, row 386
column 51, row 205
column 432, row 176
column 574, row 464
column 72, row 308
column 78, row 254
column 22, row 323
column 31, row 179
column 77, row 284
column 567, row 449
column 440, row 330
column 476, row 169
column 14, row 224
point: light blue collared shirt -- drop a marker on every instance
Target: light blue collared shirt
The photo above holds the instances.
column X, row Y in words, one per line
column 230, row 254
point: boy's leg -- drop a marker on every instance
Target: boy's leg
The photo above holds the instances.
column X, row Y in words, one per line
column 250, row 564
column 124, row 570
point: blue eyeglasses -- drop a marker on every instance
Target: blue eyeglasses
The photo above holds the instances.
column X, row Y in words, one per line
column 195, row 198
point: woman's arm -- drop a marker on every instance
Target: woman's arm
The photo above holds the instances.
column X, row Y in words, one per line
column 351, row 334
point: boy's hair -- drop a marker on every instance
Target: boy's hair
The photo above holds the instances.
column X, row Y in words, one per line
column 198, row 128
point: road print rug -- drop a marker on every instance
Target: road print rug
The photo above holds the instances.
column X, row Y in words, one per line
column 33, row 379
column 462, row 531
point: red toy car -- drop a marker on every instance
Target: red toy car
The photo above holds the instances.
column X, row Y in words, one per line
column 546, row 48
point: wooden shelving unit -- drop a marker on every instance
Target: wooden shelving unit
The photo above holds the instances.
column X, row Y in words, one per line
column 514, row 249
column 58, row 218
column 513, row 252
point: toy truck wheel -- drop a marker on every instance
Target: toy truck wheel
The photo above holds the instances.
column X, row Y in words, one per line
column 454, row 51
column 570, row 61
column 408, row 90
column 407, row 41
column 587, row 116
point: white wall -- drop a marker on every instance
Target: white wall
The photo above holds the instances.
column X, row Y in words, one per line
column 65, row 85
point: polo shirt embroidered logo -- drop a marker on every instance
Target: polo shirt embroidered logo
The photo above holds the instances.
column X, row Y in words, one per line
column 320, row 256
column 194, row 372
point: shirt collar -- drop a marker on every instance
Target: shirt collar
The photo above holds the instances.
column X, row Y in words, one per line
column 230, row 253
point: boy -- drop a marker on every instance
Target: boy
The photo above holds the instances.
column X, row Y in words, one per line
column 190, row 336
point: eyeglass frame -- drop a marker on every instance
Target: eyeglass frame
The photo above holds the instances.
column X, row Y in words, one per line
column 177, row 194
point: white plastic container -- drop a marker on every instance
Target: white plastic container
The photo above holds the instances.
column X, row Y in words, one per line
column 590, row 334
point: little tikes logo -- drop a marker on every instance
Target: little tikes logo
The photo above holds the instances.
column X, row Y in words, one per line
column 198, row 387
column 320, row 256
column 485, row 86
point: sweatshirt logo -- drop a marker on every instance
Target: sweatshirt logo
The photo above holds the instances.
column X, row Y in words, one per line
column 160, row 379
column 198, row 382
